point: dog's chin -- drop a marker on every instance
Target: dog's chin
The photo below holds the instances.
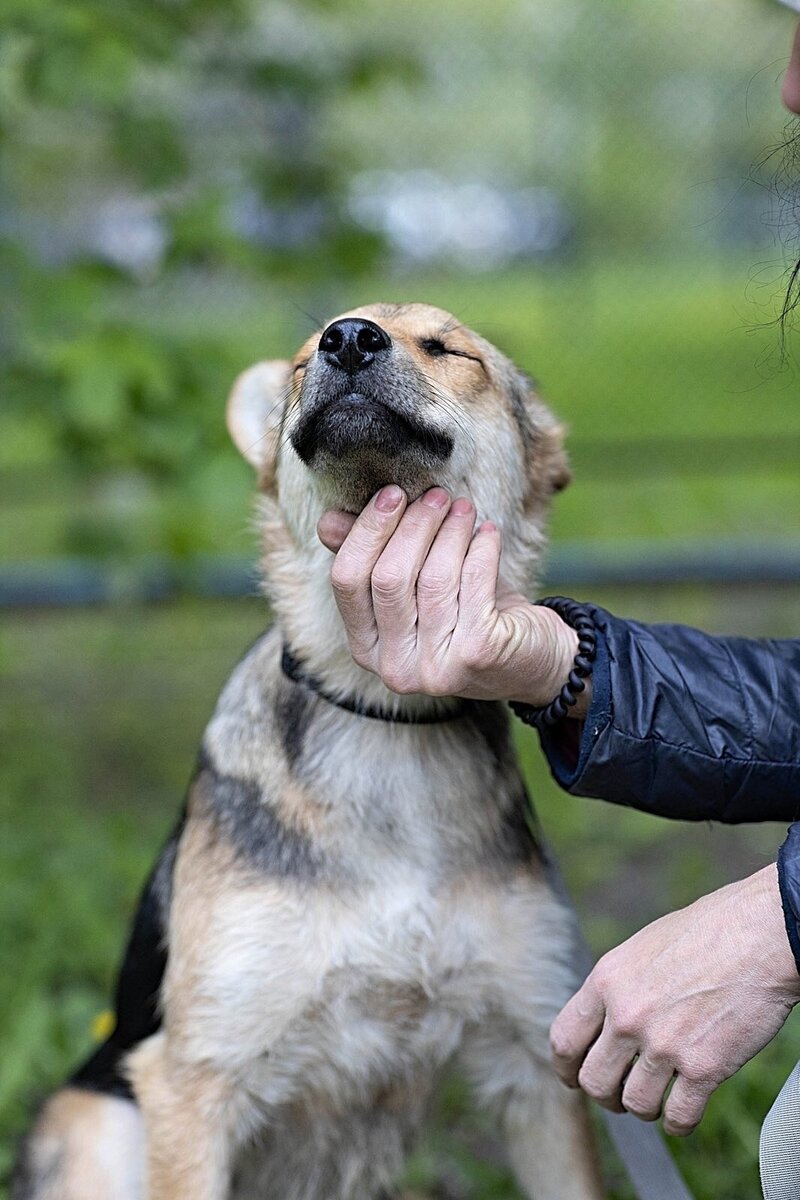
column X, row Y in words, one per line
column 355, row 446
column 350, row 481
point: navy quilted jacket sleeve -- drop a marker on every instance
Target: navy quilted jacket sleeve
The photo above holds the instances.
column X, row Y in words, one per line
column 688, row 725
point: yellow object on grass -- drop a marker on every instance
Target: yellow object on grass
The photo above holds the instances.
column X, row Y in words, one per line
column 103, row 1025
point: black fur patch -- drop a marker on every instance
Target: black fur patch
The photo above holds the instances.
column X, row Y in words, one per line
column 516, row 840
column 293, row 715
column 247, row 821
column 139, row 982
column 491, row 724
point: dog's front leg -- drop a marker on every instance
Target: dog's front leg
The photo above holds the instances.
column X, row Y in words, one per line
column 189, row 1124
column 546, row 1127
column 551, row 1144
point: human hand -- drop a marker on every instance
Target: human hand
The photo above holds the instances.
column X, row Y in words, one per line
column 691, row 997
column 423, row 606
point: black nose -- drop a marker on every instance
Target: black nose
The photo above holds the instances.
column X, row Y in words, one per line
column 352, row 344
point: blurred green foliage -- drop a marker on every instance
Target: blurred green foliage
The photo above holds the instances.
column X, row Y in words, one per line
column 205, row 115
column 99, row 100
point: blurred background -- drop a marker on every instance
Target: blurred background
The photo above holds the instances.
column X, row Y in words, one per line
column 190, row 185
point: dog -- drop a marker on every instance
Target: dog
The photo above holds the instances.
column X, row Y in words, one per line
column 355, row 898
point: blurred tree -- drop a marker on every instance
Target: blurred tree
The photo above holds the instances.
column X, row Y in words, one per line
column 149, row 140
column 165, row 164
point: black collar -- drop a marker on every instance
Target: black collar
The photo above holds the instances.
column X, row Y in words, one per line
column 293, row 670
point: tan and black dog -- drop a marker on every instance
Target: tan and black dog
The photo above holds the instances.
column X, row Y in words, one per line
column 353, row 899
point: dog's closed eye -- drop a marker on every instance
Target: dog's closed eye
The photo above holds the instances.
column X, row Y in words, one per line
column 433, row 346
column 436, row 348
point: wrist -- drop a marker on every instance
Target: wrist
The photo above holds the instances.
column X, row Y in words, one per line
column 553, row 647
column 767, row 907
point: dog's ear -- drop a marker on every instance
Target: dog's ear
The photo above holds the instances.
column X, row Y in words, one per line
column 254, row 411
column 554, row 460
column 543, row 435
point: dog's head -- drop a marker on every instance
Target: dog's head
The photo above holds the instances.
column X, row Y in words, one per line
column 400, row 394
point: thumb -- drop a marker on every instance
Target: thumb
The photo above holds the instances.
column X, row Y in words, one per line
column 333, row 527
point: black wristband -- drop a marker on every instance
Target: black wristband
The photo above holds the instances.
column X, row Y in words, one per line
column 581, row 620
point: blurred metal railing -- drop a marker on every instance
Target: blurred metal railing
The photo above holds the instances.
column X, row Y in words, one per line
column 72, row 581
column 61, row 583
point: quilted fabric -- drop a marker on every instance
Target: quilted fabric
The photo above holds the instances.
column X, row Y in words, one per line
column 687, row 725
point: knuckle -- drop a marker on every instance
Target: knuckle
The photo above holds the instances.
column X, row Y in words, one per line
column 344, row 579
column 652, row 1060
column 698, row 1071
column 604, row 966
column 642, row 1106
column 640, row 1109
column 388, row 582
column 606, row 975
column 435, row 683
column 601, row 1095
column 681, row 1121
column 397, row 679
column 626, row 1020
column 433, row 586
column 561, row 1045
column 593, row 1085
column 472, row 576
column 685, row 1109
column 476, row 563
column 602, row 971
column 361, row 656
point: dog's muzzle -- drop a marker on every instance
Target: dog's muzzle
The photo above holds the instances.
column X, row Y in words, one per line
column 355, row 403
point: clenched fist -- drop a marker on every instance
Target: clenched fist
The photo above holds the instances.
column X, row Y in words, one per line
column 664, row 1018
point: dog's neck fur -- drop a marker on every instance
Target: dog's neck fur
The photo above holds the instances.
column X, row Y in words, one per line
column 297, row 576
column 297, row 573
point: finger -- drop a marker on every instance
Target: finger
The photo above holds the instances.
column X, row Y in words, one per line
column 394, row 577
column 643, row 1091
column 605, row 1066
column 353, row 565
column 440, row 578
column 574, row 1030
column 477, row 598
column 333, row 527
column 686, row 1105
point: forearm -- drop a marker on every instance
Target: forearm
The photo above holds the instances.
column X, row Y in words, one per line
column 686, row 725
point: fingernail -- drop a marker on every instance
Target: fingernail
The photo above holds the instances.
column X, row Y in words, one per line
column 388, row 498
column 436, row 498
column 488, row 527
column 461, row 508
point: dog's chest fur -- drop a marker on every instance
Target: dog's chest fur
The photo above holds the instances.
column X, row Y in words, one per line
column 368, row 886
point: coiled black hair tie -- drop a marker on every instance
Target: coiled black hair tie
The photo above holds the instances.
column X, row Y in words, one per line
column 581, row 620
